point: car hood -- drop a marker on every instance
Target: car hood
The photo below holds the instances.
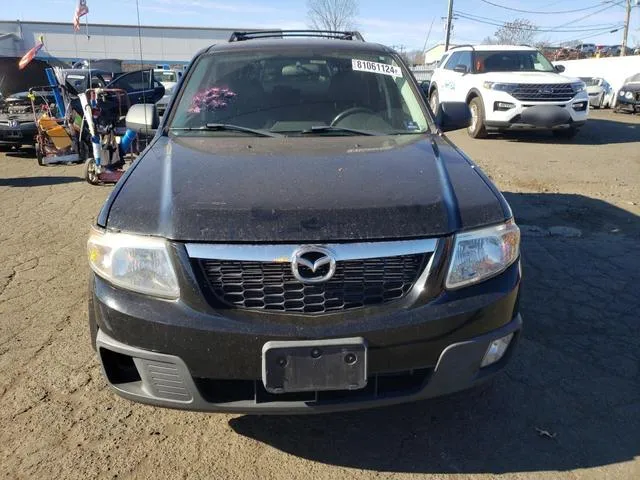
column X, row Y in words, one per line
column 631, row 87
column 237, row 189
column 594, row 89
column 528, row 77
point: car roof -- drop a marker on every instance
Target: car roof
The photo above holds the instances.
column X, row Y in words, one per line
column 500, row 48
column 299, row 43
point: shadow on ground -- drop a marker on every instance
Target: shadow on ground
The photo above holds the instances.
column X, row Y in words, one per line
column 596, row 131
column 37, row 181
column 575, row 375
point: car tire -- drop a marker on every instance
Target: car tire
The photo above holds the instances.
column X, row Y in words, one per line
column 477, row 129
column 566, row 134
column 434, row 101
column 90, row 173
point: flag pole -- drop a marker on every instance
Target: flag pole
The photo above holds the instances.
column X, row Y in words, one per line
column 88, row 40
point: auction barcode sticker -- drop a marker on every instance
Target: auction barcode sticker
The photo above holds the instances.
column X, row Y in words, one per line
column 374, row 67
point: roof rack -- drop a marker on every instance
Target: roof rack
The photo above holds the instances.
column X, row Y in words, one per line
column 462, row 46
column 254, row 35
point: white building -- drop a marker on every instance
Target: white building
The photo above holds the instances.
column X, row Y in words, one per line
column 159, row 44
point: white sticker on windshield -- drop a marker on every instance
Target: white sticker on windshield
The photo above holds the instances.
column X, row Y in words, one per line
column 374, row 67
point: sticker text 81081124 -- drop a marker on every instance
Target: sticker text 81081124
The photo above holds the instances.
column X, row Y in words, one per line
column 374, row 67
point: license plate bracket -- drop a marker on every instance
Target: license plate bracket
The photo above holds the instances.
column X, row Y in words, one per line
column 314, row 365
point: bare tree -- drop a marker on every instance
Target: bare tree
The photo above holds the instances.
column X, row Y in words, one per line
column 519, row 32
column 334, row 15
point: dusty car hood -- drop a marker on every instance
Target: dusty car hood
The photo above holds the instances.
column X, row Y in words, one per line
column 528, row 77
column 302, row 190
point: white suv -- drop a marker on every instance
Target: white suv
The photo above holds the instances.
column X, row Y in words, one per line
column 510, row 88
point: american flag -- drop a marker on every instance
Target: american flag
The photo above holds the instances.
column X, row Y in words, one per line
column 81, row 11
column 30, row 55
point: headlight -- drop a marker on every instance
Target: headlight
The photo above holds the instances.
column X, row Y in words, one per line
column 579, row 87
column 622, row 93
column 502, row 87
column 629, row 96
column 137, row 263
column 484, row 253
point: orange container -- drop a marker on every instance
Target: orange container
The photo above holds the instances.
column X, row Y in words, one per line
column 55, row 132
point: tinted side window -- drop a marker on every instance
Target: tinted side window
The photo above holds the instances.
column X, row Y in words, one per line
column 465, row 59
column 133, row 82
column 453, row 61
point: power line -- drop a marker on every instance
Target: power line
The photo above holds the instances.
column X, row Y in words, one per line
column 591, row 14
column 543, row 13
column 585, row 28
column 590, row 36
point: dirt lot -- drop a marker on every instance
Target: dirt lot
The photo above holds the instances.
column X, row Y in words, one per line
column 569, row 406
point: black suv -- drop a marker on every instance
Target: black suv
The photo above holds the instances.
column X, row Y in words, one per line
column 300, row 236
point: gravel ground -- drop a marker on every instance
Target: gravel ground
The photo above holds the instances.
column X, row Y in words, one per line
column 568, row 407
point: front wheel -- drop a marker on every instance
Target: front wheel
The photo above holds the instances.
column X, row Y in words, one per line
column 477, row 129
column 434, row 101
column 91, row 172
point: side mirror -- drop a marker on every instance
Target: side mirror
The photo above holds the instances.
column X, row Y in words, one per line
column 559, row 68
column 143, row 118
column 424, row 86
column 461, row 69
column 453, row 116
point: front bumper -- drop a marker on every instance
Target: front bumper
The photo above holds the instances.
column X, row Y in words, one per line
column 535, row 115
column 165, row 380
column 432, row 347
column 23, row 134
column 630, row 104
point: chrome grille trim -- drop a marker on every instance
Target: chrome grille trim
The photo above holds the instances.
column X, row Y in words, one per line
column 283, row 253
column 260, row 277
column 540, row 92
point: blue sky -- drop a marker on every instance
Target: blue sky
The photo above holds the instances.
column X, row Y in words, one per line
column 403, row 23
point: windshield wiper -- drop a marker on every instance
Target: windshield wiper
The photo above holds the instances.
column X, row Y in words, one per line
column 329, row 128
column 221, row 127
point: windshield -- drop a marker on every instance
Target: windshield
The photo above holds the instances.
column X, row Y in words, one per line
column 165, row 76
column 590, row 81
column 298, row 92
column 512, row 61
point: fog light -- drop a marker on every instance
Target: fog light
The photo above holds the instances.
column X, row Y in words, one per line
column 496, row 350
column 503, row 106
column 580, row 106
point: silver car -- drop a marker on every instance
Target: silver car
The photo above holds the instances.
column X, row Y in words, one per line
column 601, row 95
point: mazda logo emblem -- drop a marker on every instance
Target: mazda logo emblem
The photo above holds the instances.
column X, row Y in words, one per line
column 313, row 264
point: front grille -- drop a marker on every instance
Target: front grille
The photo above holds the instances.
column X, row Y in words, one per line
column 558, row 92
column 272, row 286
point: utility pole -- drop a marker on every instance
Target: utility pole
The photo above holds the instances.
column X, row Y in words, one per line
column 623, row 50
column 450, row 19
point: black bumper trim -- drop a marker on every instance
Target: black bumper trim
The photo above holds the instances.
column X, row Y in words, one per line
column 165, row 380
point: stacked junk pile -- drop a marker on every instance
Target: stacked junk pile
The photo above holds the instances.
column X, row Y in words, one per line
column 82, row 126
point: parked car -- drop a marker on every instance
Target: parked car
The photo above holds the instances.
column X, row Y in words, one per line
column 141, row 86
column 169, row 78
column 17, row 123
column 601, row 95
column 588, row 49
column 301, row 236
column 629, row 95
column 510, row 88
column 567, row 53
column 17, row 127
